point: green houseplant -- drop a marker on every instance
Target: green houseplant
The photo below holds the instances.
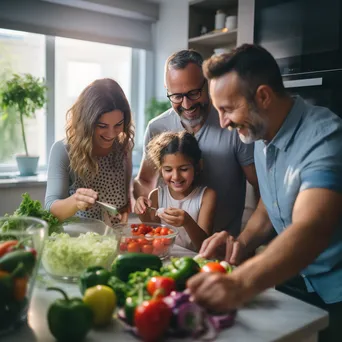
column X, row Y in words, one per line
column 23, row 95
column 155, row 107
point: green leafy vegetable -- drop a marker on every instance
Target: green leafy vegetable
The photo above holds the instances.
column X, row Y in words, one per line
column 32, row 208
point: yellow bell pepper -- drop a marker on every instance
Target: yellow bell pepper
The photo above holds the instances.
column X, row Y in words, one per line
column 102, row 301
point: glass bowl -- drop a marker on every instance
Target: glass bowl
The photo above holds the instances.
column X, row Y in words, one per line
column 21, row 246
column 147, row 237
column 83, row 243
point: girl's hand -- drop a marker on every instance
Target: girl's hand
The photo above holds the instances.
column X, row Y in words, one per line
column 175, row 217
column 85, row 198
column 141, row 204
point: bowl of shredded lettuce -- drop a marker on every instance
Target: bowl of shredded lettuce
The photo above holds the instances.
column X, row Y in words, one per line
column 83, row 243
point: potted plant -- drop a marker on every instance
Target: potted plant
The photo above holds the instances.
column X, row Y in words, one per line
column 24, row 94
column 156, row 107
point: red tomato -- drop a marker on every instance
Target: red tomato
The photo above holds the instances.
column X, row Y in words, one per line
column 213, row 267
column 133, row 247
column 164, row 231
column 133, row 225
column 123, row 247
column 149, row 229
column 148, row 249
column 142, row 241
column 163, row 284
column 152, row 319
column 167, row 241
column 5, row 247
column 157, row 230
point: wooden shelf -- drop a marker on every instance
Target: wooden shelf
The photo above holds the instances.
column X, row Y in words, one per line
column 216, row 39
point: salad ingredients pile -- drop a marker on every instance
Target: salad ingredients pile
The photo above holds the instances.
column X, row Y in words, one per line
column 152, row 298
column 68, row 256
column 17, row 261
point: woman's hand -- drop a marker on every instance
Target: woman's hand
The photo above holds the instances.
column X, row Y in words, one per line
column 85, row 198
column 141, row 204
column 175, row 217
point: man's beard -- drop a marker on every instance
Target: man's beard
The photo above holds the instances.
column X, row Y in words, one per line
column 197, row 120
column 256, row 130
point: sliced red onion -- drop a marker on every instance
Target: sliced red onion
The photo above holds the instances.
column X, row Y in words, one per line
column 224, row 321
column 190, row 318
column 209, row 332
column 180, row 297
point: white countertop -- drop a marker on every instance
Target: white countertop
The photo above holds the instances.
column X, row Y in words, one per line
column 271, row 316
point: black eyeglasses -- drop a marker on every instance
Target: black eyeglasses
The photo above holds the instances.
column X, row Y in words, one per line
column 194, row 94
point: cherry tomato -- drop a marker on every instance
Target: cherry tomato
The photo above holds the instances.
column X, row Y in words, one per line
column 164, row 285
column 148, row 249
column 166, row 241
column 133, row 225
column 157, row 230
column 123, row 247
column 133, row 247
column 164, row 231
column 142, row 241
column 152, row 319
column 213, row 267
column 5, row 247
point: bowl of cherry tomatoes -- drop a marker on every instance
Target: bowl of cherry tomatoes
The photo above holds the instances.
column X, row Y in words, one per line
column 149, row 238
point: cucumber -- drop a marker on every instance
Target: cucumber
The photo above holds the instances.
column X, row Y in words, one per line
column 125, row 264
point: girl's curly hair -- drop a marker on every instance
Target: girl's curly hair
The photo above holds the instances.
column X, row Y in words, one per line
column 99, row 97
column 171, row 143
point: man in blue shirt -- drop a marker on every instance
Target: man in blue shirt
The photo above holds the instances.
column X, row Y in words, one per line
column 298, row 157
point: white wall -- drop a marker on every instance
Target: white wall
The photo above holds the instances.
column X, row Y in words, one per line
column 170, row 35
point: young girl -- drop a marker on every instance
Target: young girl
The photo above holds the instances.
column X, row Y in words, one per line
column 188, row 205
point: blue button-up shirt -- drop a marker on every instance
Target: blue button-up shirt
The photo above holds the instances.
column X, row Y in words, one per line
column 305, row 153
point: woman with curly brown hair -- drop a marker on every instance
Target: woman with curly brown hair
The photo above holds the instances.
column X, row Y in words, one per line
column 94, row 162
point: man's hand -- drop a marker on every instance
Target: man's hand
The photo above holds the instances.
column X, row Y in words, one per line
column 175, row 217
column 216, row 291
column 85, row 198
column 235, row 250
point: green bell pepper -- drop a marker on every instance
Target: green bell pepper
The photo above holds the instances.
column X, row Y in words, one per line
column 133, row 302
column 130, row 305
column 181, row 270
column 69, row 320
column 92, row 276
column 120, row 289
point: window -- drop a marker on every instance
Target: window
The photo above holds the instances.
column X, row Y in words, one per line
column 21, row 52
column 78, row 63
column 69, row 65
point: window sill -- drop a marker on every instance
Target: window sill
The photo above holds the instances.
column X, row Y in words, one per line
column 8, row 180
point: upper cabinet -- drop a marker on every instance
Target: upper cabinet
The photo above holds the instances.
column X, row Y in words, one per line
column 213, row 25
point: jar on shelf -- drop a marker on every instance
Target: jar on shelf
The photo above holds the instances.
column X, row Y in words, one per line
column 220, row 19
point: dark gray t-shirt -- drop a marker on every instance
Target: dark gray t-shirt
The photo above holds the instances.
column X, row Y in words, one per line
column 109, row 183
column 223, row 155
